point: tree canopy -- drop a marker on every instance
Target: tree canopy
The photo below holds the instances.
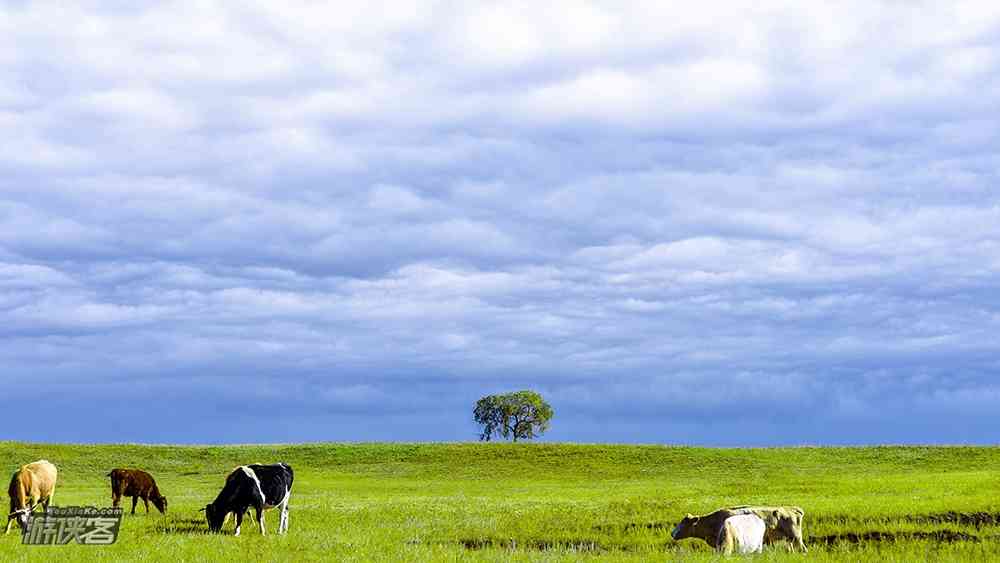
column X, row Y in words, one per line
column 514, row 416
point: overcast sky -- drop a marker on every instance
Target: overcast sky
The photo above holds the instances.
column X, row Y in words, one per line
column 682, row 223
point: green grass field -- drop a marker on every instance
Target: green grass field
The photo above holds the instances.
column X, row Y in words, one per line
column 538, row 502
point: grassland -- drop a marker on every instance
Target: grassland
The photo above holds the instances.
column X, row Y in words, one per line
column 538, row 502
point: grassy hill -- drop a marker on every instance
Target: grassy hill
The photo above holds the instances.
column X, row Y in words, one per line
column 550, row 502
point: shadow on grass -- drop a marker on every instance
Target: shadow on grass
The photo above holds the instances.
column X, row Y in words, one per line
column 191, row 526
column 973, row 519
column 940, row 536
column 577, row 545
column 634, row 526
column 572, row 545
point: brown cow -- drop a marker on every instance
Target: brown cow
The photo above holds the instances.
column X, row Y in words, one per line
column 137, row 484
column 30, row 486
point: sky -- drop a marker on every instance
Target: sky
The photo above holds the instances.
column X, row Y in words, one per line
column 681, row 223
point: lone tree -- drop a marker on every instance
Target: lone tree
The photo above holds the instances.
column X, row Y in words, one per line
column 514, row 416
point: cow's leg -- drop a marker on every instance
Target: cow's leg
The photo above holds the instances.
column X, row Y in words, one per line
column 797, row 532
column 260, row 519
column 801, row 545
column 725, row 541
column 778, row 536
column 145, row 501
column 239, row 521
column 283, row 524
column 135, row 501
column 284, row 507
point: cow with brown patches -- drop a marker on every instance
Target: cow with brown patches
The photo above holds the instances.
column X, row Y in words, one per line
column 137, row 484
column 781, row 523
column 31, row 485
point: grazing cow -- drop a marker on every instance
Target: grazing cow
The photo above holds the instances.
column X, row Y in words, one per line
column 252, row 486
column 30, row 486
column 743, row 533
column 709, row 527
column 137, row 484
column 781, row 523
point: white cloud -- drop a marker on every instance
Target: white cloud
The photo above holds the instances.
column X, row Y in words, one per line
column 643, row 208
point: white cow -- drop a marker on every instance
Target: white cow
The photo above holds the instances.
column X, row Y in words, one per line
column 743, row 533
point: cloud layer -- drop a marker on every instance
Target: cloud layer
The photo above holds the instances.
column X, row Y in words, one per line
column 682, row 224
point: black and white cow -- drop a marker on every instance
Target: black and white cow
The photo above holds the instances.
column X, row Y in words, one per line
column 253, row 486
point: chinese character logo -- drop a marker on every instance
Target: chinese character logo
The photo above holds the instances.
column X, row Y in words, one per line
column 86, row 525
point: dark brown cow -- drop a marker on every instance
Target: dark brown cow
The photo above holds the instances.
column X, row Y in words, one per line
column 137, row 484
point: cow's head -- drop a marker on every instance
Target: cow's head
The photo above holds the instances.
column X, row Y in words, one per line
column 160, row 503
column 215, row 517
column 21, row 515
column 683, row 528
